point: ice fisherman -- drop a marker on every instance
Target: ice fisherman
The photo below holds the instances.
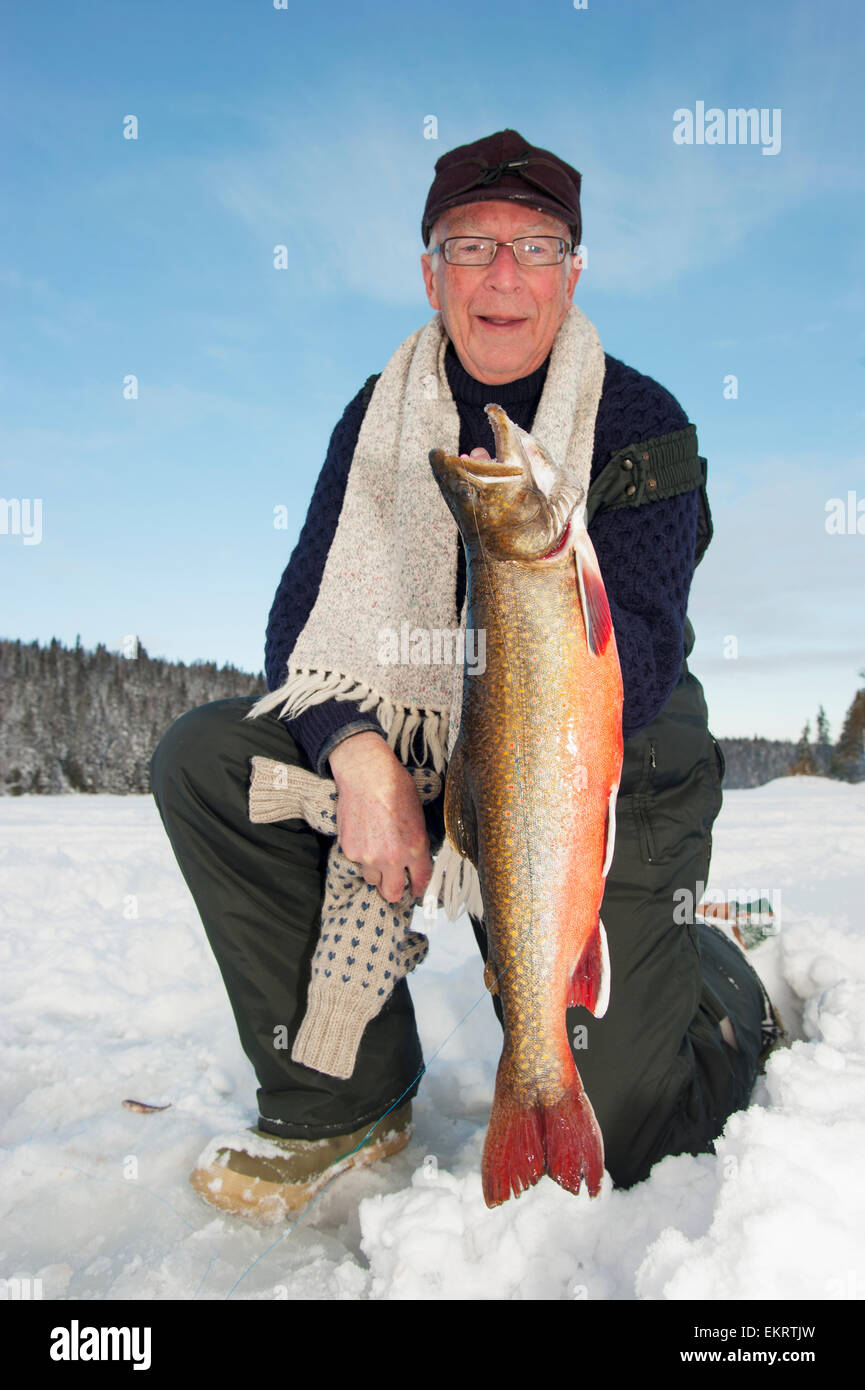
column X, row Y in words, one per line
column 336, row 1051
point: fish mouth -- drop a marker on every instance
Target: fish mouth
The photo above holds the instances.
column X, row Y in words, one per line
column 502, row 428
column 519, row 503
column 557, row 496
column 490, row 470
column 534, row 467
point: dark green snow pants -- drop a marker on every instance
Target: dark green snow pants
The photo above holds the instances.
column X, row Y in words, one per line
column 259, row 889
column 656, row 1069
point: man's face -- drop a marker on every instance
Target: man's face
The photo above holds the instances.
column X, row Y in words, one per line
column 501, row 318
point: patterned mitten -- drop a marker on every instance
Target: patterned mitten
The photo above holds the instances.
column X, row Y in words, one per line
column 366, row 943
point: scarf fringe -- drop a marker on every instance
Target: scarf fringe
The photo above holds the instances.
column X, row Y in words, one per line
column 454, row 884
column 400, row 723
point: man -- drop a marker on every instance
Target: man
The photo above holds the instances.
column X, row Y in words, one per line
column 679, row 1047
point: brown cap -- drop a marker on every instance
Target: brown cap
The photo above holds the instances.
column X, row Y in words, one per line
column 504, row 167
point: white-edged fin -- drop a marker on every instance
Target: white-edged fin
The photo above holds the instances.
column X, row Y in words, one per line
column 589, row 985
column 593, row 595
column 611, row 830
column 604, row 991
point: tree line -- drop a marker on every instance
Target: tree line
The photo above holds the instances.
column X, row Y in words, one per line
column 73, row 720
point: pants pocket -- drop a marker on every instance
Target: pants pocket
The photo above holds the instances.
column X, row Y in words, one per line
column 673, row 823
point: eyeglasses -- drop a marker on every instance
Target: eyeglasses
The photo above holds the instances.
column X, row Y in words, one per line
column 481, row 250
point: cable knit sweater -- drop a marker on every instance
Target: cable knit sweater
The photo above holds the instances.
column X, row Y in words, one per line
column 646, row 554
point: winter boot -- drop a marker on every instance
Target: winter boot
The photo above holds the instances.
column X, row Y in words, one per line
column 264, row 1176
column 773, row 1034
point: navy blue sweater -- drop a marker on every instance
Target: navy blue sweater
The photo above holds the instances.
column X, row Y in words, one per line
column 646, row 554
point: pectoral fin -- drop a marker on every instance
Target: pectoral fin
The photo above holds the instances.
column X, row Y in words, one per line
column 590, row 983
column 460, row 821
column 593, row 596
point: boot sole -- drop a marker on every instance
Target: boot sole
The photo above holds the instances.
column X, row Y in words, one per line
column 269, row 1202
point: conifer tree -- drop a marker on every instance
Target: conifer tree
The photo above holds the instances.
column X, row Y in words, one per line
column 823, row 750
column 803, row 764
column 848, row 758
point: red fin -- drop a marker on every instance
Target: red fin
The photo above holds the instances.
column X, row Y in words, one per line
column 513, row 1158
column 573, row 1142
column 596, row 608
column 524, row 1142
column 590, row 982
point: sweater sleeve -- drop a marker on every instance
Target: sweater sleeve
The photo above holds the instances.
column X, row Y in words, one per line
column 319, row 729
column 646, row 553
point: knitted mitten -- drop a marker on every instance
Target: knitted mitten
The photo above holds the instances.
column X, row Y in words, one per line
column 366, row 943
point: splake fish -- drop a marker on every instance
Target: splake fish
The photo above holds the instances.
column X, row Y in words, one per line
column 531, row 792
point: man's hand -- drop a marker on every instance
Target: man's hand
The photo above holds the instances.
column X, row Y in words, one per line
column 379, row 820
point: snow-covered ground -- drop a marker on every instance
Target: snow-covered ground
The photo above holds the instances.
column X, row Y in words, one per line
column 109, row 991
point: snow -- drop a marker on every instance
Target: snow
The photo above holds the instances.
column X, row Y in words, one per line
column 109, row 992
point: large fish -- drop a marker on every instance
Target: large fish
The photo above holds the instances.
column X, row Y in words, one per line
column 531, row 792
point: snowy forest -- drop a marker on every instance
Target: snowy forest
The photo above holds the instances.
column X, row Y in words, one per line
column 73, row 720
column 87, row 721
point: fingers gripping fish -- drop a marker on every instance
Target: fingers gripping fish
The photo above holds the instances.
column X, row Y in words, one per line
column 531, row 790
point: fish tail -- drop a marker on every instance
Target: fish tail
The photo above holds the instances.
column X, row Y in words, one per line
column 525, row 1141
column 513, row 1158
column 573, row 1142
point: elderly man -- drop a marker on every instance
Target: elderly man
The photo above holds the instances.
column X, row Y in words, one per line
column 680, row 1045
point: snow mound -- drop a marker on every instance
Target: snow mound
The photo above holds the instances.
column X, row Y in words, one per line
column 109, row 992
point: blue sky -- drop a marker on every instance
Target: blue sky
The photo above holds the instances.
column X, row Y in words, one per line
column 305, row 126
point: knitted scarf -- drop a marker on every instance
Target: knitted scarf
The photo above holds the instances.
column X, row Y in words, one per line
column 391, row 568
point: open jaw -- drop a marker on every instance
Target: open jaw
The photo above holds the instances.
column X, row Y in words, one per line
column 503, row 433
column 490, row 470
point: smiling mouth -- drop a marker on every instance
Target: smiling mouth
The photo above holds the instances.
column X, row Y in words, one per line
column 497, row 321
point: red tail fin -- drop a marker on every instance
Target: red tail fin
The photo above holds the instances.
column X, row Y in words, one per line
column 524, row 1142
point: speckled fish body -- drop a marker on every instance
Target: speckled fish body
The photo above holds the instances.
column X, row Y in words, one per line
column 530, row 793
